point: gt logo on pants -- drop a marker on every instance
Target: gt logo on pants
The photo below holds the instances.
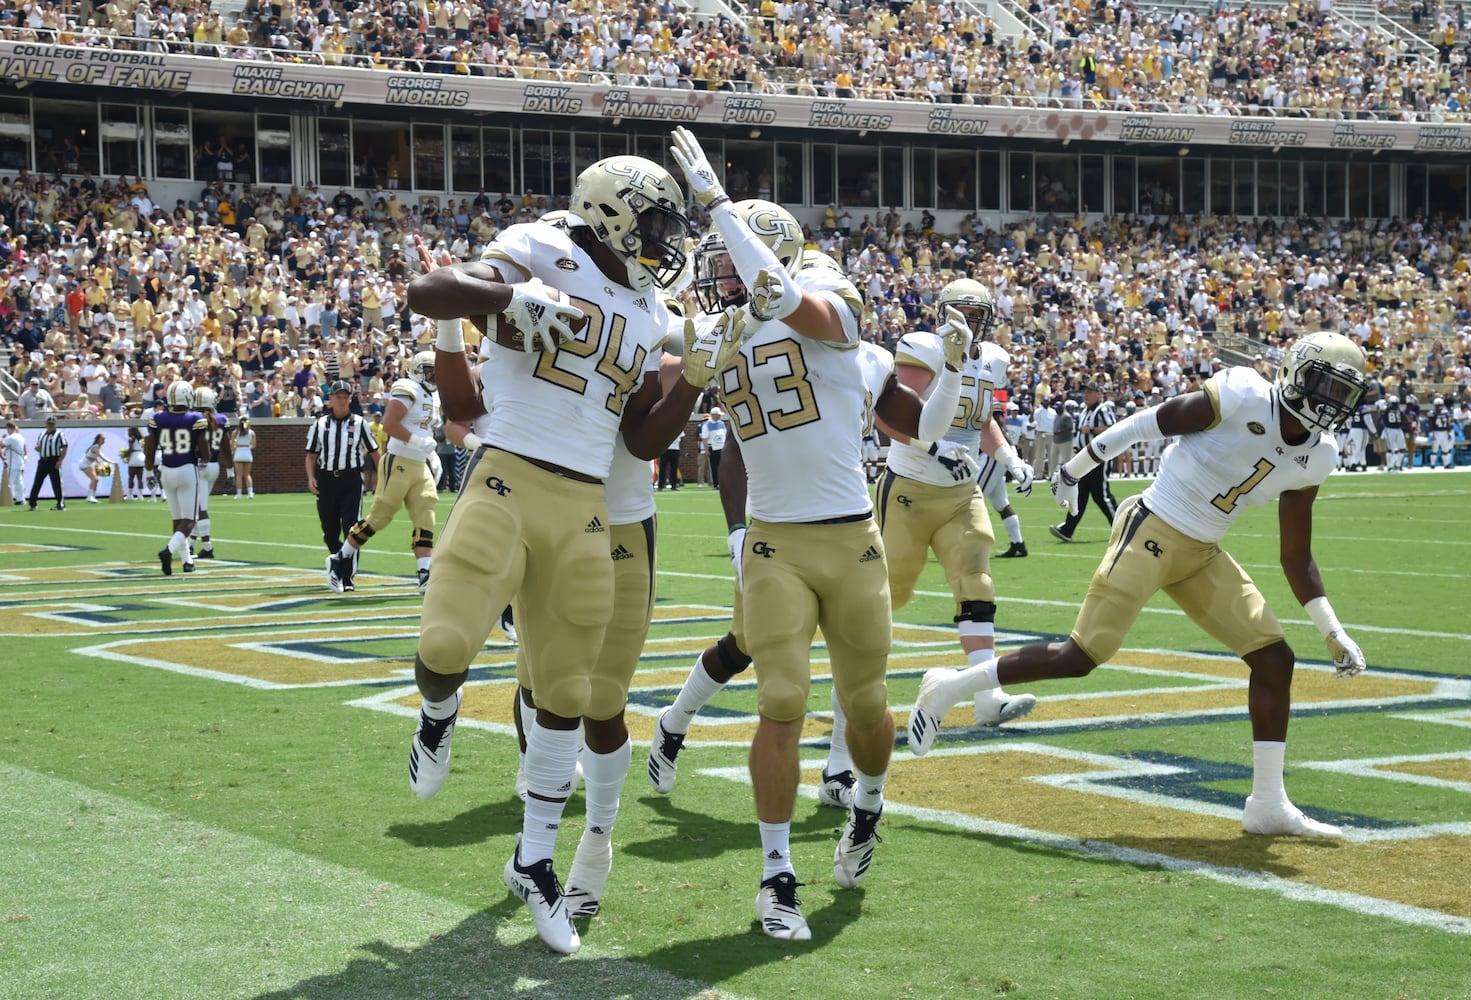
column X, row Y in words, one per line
column 763, row 550
column 1152, row 547
column 497, row 484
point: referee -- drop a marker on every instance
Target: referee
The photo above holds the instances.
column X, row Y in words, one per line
column 341, row 453
column 1097, row 417
column 51, row 449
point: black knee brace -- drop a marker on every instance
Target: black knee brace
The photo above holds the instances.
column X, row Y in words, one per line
column 423, row 538
column 976, row 611
column 731, row 656
column 361, row 532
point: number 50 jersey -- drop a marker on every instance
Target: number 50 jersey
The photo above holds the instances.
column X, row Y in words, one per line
column 565, row 407
column 1209, row 477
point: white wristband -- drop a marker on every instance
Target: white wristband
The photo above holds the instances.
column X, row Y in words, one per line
column 939, row 410
column 451, row 337
column 1321, row 612
column 471, row 441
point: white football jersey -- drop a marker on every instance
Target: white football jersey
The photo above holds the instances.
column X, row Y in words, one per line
column 420, row 421
column 799, row 407
column 977, row 398
column 1207, row 478
column 878, row 368
column 565, row 407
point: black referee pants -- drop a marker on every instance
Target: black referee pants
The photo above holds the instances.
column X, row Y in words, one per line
column 339, row 504
column 1092, row 486
column 48, row 468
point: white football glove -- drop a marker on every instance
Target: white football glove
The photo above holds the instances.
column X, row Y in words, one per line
column 956, row 459
column 697, row 168
column 435, row 469
column 736, row 543
column 423, row 442
column 544, row 322
column 955, row 337
column 774, row 295
column 1348, row 659
column 1021, row 474
column 1065, row 490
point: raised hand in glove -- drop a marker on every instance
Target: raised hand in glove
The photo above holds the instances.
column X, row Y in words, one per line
column 698, row 171
column 709, row 355
column 955, row 337
column 774, row 295
column 1348, row 658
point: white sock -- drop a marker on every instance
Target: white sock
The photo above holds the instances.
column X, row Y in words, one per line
column 423, row 562
column 1013, row 526
column 603, row 775
column 551, row 765
column 528, row 719
column 439, row 709
column 201, row 530
column 1266, row 771
column 178, row 544
column 251, row 494
column 973, row 681
column 776, row 849
column 699, row 687
column 348, row 549
column 868, row 791
column 838, row 759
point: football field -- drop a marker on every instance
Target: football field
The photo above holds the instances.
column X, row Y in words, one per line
column 204, row 784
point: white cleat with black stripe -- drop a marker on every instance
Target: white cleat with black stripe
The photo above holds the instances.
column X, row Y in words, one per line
column 855, row 850
column 779, row 909
column 429, row 752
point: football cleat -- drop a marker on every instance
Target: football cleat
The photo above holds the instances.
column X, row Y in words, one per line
column 166, row 561
column 995, row 707
column 429, row 752
column 1058, row 533
column 929, row 711
column 189, row 566
column 854, row 852
column 423, row 580
column 1018, row 550
column 339, row 573
column 589, row 873
column 779, row 909
column 509, row 628
column 1283, row 819
column 836, row 790
column 537, row 886
column 208, row 552
column 664, row 755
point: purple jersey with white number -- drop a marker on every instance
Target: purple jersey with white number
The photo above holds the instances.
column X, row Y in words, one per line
column 217, row 436
column 176, row 436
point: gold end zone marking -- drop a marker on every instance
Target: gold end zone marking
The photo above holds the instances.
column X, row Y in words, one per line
column 1455, row 770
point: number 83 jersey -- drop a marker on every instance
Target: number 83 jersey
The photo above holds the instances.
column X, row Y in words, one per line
column 565, row 407
column 799, row 407
column 1207, row 478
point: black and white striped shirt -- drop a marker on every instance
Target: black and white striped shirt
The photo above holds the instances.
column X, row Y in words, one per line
column 340, row 445
column 1095, row 419
column 51, row 444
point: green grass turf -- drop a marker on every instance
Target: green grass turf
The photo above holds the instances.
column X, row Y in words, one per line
column 172, row 835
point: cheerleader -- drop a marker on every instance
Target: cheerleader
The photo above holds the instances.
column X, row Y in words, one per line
column 244, row 452
column 133, row 453
column 94, row 464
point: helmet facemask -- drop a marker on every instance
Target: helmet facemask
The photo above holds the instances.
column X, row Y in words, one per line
column 1323, row 395
column 659, row 250
column 717, row 285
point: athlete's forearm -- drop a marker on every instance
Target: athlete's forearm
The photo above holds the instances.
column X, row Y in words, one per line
column 469, row 289
column 1142, row 426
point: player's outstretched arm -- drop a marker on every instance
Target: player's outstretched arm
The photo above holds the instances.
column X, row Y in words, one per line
column 1295, row 521
column 659, row 409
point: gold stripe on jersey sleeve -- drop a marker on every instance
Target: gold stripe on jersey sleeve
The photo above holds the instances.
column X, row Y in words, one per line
column 912, row 361
column 500, row 256
column 1213, row 393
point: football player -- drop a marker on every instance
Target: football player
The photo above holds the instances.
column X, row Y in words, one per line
column 209, row 473
column 810, row 554
column 177, row 444
column 1442, row 436
column 405, row 479
column 1392, row 430
column 993, row 474
column 531, row 520
column 1244, row 442
column 928, row 498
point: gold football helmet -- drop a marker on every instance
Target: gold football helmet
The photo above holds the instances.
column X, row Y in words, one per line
column 204, row 398
column 776, row 227
column 974, row 301
column 635, row 208
column 180, row 395
column 1322, row 379
column 421, row 369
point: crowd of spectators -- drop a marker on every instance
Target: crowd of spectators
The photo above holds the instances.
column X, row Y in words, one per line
column 1296, row 58
column 267, row 293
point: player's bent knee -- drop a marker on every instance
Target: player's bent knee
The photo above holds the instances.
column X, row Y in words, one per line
column 867, row 704
column 568, row 697
column 423, row 539
column 445, row 650
column 976, row 611
column 782, row 701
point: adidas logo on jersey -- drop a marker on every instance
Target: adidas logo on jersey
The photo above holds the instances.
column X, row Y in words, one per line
column 1301, row 460
column 870, row 555
column 594, row 526
column 621, row 552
